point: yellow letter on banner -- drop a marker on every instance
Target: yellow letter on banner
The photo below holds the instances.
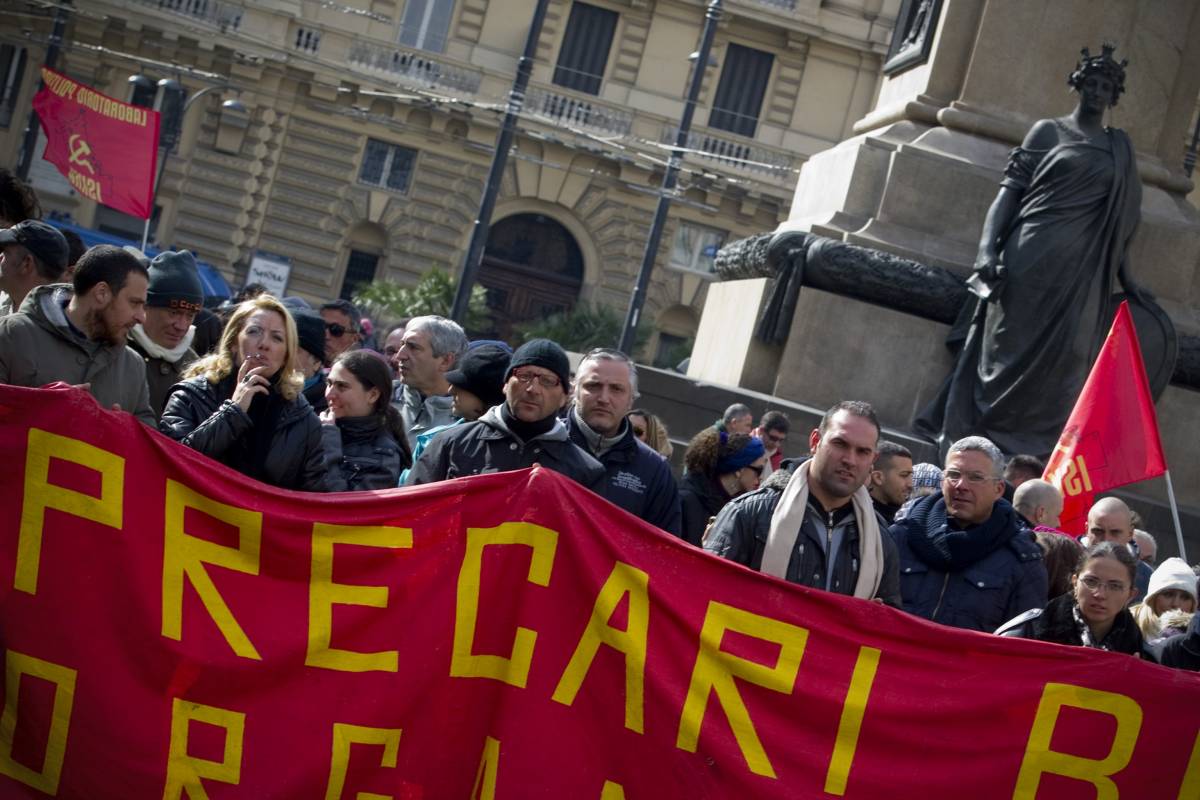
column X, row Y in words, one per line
column 345, row 735
column 1189, row 789
column 1040, row 758
column 715, row 671
column 624, row 580
column 489, row 765
column 513, row 670
column 40, row 495
column 18, row 664
column 323, row 594
column 183, row 771
column 853, row 710
column 185, row 555
column 612, row 791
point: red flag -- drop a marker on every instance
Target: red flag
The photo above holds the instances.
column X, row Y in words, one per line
column 107, row 150
column 1111, row 437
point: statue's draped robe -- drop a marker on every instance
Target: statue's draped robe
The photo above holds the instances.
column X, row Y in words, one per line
column 1028, row 349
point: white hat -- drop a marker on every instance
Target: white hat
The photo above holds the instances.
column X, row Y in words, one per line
column 1174, row 573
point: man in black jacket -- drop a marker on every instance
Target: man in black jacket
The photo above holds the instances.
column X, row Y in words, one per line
column 638, row 480
column 841, row 544
column 522, row 431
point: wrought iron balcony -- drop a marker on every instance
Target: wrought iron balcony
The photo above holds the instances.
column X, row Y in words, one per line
column 414, row 68
column 224, row 16
column 572, row 111
column 731, row 153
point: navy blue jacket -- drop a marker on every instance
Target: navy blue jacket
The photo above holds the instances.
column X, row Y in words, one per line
column 982, row 595
column 637, row 479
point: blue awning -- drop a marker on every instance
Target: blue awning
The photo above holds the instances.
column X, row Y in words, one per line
column 210, row 276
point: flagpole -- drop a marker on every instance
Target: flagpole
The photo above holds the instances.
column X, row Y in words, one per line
column 145, row 235
column 1175, row 515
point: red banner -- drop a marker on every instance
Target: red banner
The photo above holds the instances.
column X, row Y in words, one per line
column 107, row 150
column 1111, row 438
column 171, row 628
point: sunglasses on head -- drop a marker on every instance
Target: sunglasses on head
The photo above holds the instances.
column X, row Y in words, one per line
column 336, row 329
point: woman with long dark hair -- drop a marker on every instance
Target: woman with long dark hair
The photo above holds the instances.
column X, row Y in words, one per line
column 363, row 435
column 243, row 406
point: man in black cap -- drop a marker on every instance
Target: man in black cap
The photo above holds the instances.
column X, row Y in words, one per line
column 164, row 340
column 310, row 357
column 522, row 431
column 32, row 253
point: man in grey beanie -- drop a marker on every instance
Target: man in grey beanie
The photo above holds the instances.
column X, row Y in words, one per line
column 164, row 340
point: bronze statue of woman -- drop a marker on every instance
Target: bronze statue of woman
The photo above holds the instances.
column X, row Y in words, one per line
column 1054, row 241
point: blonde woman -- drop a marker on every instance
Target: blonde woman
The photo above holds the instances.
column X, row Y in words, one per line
column 243, row 405
column 651, row 430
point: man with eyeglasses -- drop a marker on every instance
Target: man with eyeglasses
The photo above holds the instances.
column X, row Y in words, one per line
column 816, row 526
column 966, row 560
column 522, row 431
column 342, row 325
column 773, row 430
column 638, row 480
column 1111, row 520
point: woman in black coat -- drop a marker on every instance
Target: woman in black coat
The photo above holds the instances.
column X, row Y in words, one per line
column 717, row 468
column 1094, row 612
column 363, row 435
column 243, row 406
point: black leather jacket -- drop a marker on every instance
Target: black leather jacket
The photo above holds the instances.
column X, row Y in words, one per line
column 202, row 416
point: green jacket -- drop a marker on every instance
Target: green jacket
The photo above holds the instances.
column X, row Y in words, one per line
column 37, row 346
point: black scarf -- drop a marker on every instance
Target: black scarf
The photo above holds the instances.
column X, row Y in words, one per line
column 360, row 430
column 949, row 550
column 526, row 431
column 254, row 448
column 1058, row 624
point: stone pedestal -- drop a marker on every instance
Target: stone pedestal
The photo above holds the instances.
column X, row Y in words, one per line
column 726, row 351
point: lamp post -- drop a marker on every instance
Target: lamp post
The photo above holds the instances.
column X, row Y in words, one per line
column 167, row 104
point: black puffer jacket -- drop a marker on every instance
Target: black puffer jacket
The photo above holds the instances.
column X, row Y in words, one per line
column 700, row 498
column 202, row 416
column 741, row 530
column 1056, row 623
column 361, row 453
column 487, row 445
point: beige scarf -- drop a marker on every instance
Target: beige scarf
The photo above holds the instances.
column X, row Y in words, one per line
column 789, row 516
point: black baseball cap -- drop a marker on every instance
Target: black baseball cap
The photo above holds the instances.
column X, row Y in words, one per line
column 45, row 241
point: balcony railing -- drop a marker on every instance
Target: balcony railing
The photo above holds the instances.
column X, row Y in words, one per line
column 413, row 68
column 574, row 112
column 225, row 16
column 731, row 152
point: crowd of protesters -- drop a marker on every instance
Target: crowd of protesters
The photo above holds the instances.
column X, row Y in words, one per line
column 298, row 398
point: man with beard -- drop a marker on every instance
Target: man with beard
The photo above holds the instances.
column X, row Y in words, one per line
column 164, row 340
column 966, row 560
column 890, row 482
column 76, row 333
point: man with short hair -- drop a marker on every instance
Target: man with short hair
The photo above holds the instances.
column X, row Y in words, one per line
column 522, row 431
column 773, row 430
column 965, row 558
column 890, row 481
column 431, row 347
column 343, row 328
column 32, row 253
column 164, row 340
column 638, row 480
column 738, row 418
column 1039, row 503
column 391, row 347
column 77, row 333
column 817, row 527
column 1023, row 468
column 1147, row 546
column 1110, row 520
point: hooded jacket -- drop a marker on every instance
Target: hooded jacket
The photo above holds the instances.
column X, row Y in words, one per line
column 487, row 445
column 637, row 479
column 743, row 525
column 203, row 416
column 37, row 346
column 975, row 578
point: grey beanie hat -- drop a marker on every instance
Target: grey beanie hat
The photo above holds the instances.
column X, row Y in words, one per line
column 175, row 282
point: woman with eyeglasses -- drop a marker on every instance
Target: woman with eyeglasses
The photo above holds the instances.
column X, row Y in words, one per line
column 651, row 430
column 1093, row 613
column 717, row 468
column 243, row 405
column 363, row 435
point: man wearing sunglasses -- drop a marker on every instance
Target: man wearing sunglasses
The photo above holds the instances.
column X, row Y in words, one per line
column 966, row 560
column 816, row 526
column 342, row 323
column 522, row 431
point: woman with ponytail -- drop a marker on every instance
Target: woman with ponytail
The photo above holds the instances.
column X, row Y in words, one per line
column 363, row 435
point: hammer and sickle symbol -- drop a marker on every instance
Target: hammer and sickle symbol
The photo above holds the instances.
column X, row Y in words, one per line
column 80, row 149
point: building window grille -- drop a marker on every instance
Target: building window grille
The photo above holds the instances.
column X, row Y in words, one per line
column 426, row 23
column 360, row 270
column 695, row 247
column 584, row 52
column 308, row 40
column 388, row 166
column 741, row 90
column 12, row 69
